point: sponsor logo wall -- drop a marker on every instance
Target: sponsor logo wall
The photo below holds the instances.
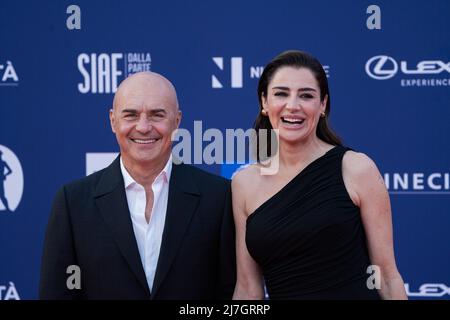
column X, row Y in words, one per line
column 389, row 76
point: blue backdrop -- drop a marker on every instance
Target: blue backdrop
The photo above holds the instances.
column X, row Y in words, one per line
column 390, row 94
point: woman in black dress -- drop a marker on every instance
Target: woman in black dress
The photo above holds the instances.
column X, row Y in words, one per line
column 320, row 227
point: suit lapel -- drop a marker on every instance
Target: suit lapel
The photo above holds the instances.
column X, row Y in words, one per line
column 182, row 203
column 112, row 203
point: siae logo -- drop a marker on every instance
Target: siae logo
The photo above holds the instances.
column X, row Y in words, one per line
column 103, row 72
column 11, row 180
column 384, row 67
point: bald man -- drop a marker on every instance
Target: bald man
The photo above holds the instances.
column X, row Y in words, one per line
column 144, row 227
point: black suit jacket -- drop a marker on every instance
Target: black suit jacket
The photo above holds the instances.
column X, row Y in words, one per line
column 90, row 226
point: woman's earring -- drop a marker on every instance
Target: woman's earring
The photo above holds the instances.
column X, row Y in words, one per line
column 323, row 114
column 264, row 112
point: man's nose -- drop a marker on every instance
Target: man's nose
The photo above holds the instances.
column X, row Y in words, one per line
column 144, row 124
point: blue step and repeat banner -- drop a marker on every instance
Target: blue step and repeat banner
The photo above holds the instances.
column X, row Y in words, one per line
column 388, row 65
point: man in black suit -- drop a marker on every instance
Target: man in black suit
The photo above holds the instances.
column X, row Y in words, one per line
column 144, row 227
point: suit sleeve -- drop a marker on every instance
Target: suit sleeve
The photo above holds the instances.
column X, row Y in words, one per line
column 58, row 253
column 227, row 274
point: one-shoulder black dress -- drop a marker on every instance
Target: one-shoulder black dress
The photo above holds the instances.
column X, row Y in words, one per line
column 309, row 239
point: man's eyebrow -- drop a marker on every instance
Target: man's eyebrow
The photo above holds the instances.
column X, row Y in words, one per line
column 158, row 110
column 129, row 111
column 153, row 111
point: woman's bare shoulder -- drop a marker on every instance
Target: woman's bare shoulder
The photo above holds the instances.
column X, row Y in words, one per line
column 246, row 177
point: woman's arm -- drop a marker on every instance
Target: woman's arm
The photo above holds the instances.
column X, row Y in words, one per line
column 249, row 284
column 368, row 191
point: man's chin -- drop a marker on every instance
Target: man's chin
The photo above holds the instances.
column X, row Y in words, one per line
column 149, row 158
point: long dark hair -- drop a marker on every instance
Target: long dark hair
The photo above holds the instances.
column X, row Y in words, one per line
column 296, row 59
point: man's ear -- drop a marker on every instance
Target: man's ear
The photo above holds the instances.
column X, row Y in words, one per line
column 179, row 115
column 112, row 120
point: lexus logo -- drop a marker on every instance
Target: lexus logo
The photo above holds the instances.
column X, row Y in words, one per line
column 381, row 67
